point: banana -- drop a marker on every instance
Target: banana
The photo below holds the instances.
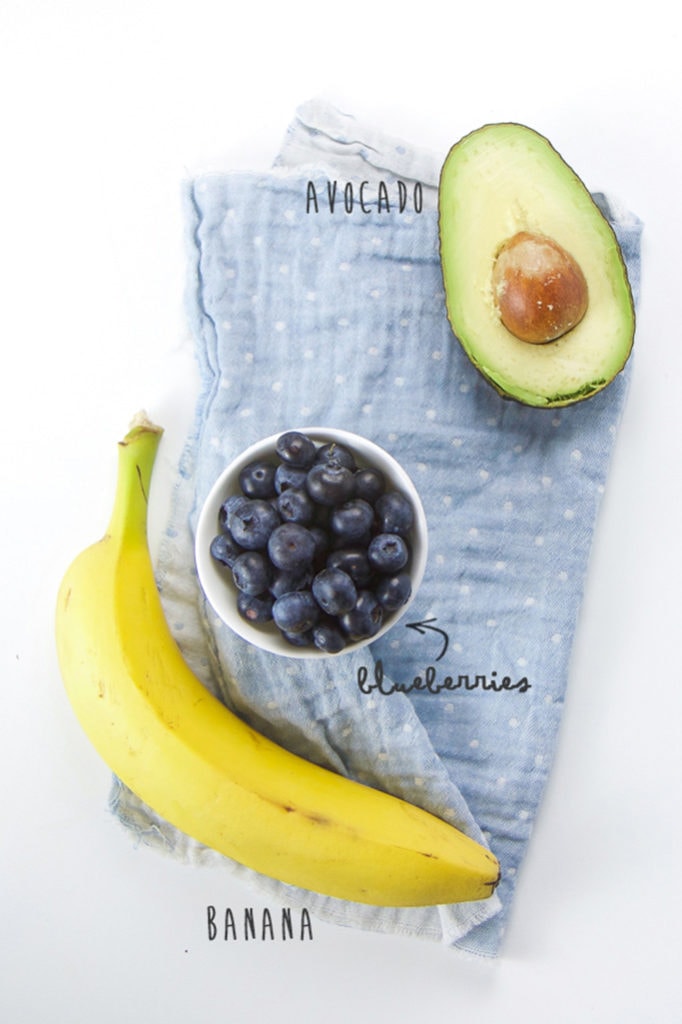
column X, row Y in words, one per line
column 206, row 771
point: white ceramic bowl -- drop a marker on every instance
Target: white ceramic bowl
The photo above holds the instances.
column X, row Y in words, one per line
column 216, row 580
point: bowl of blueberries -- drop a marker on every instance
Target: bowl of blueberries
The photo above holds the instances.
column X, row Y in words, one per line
column 311, row 543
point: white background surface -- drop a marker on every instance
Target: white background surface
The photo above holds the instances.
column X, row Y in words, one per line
column 106, row 108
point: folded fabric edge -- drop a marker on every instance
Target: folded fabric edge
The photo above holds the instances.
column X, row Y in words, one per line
column 319, row 127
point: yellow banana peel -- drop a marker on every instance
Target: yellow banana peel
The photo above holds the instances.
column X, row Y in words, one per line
column 206, row 771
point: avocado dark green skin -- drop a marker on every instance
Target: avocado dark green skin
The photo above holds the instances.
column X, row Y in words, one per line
column 553, row 401
column 591, row 384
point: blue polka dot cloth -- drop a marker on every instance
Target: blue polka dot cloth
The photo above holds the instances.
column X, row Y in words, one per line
column 315, row 298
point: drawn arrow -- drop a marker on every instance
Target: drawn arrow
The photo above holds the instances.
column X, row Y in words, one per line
column 424, row 625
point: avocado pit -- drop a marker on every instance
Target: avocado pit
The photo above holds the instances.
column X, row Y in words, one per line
column 539, row 289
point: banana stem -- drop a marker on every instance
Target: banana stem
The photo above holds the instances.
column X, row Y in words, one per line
column 136, row 457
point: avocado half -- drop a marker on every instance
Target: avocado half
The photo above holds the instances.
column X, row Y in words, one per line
column 496, row 183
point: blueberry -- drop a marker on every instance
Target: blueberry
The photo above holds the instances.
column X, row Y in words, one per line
column 284, row 581
column 287, row 476
column 388, row 552
column 255, row 608
column 395, row 513
column 393, row 592
column 257, row 480
column 342, row 543
column 354, row 561
column 328, row 638
column 365, row 619
column 291, row 546
column 228, row 507
column 330, row 483
column 252, row 573
column 337, row 453
column 321, row 538
column 296, row 449
column 296, row 506
column 353, row 520
column 252, row 522
column 304, row 639
column 224, row 549
column 369, row 484
column 334, row 591
column 295, row 612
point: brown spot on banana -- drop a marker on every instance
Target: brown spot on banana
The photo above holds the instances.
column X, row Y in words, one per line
column 494, row 884
column 141, row 482
column 313, row 816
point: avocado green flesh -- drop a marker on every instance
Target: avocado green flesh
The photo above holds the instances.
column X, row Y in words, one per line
column 495, row 182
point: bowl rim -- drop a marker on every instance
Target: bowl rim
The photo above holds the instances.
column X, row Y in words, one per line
column 222, row 597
